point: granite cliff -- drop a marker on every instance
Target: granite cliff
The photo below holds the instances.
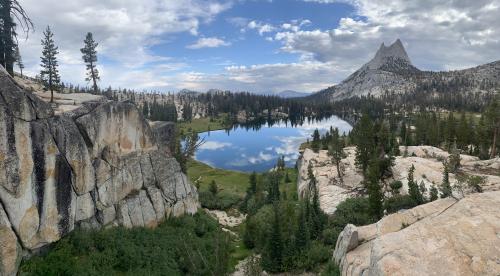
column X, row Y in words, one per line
column 99, row 164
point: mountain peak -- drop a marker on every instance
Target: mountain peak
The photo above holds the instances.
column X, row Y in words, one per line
column 385, row 54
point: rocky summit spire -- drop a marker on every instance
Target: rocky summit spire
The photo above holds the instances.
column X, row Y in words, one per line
column 387, row 54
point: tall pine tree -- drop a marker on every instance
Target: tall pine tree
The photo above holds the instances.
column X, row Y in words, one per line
column 50, row 72
column 90, row 58
column 10, row 9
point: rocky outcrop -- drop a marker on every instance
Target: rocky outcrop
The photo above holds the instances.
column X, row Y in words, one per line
column 444, row 237
column 95, row 166
column 428, row 170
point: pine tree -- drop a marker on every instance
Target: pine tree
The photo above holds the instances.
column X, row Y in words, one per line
column 434, row 193
column 10, row 9
column 287, row 178
column 315, row 145
column 273, row 255
column 273, row 188
column 445, row 185
column 19, row 60
column 375, row 195
column 90, row 58
column 364, row 141
column 336, row 152
column 50, row 72
column 492, row 115
column 413, row 189
column 252, row 189
column 403, row 134
column 302, row 234
column 463, row 132
column 213, row 188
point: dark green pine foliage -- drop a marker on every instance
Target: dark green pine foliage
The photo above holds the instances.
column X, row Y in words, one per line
column 336, row 152
column 413, row 189
column 273, row 256
column 317, row 217
column 302, row 237
column 434, row 193
column 375, row 195
column 50, row 72
column 316, row 143
column 251, row 191
column 463, row 132
column 19, row 60
column 213, row 188
column 446, row 190
column 90, row 58
column 364, row 142
column 10, row 9
column 492, row 115
column 7, row 37
column 273, row 187
column 187, row 113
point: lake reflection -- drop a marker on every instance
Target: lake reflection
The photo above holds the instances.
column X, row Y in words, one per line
column 249, row 150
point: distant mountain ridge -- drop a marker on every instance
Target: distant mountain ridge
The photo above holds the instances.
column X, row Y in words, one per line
column 391, row 71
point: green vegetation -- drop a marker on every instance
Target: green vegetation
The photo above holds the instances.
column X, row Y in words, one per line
column 204, row 124
column 193, row 245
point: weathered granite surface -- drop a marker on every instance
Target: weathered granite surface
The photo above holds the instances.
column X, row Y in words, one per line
column 97, row 165
column 444, row 237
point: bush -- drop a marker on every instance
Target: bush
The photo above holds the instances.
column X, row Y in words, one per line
column 331, row 269
column 351, row 211
column 399, row 202
column 395, row 186
column 166, row 250
column 220, row 201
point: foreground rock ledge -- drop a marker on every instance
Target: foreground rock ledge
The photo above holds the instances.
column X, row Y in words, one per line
column 445, row 237
column 98, row 165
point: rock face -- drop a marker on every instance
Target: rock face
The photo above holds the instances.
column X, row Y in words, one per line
column 428, row 170
column 444, row 237
column 98, row 165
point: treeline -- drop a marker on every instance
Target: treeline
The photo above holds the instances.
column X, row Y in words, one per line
column 473, row 133
column 255, row 106
column 161, row 111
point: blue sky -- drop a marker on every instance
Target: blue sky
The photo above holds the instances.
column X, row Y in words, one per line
column 257, row 45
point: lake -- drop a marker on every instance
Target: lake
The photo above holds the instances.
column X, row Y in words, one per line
column 248, row 150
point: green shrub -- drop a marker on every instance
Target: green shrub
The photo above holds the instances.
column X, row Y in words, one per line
column 189, row 245
column 331, row 269
column 399, row 202
column 220, row 201
column 351, row 211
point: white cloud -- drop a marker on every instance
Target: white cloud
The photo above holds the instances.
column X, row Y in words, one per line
column 262, row 157
column 261, row 28
column 438, row 35
column 125, row 31
column 214, row 145
column 208, row 42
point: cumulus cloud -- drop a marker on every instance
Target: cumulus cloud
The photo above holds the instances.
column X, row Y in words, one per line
column 208, row 42
column 438, row 34
column 261, row 28
column 124, row 29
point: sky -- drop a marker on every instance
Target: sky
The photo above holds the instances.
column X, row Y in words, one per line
column 256, row 45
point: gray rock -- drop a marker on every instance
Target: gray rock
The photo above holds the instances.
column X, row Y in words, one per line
column 348, row 240
column 99, row 165
column 85, row 207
